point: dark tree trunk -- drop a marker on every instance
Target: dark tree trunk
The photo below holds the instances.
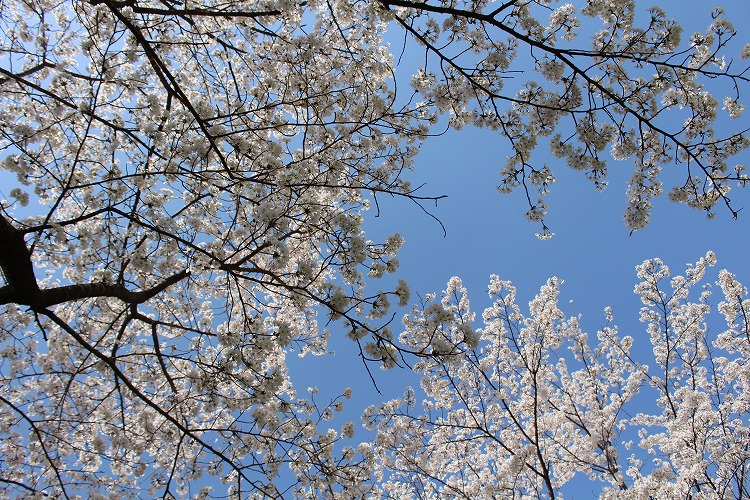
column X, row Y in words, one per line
column 15, row 261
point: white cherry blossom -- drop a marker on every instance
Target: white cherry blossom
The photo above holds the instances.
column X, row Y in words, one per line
column 538, row 401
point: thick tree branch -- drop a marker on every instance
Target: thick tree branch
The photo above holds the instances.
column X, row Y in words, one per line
column 70, row 293
column 15, row 263
column 22, row 288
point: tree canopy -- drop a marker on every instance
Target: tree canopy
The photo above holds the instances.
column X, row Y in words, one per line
column 191, row 180
column 520, row 406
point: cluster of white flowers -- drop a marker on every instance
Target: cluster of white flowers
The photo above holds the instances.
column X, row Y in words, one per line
column 609, row 94
column 518, row 416
column 563, row 19
column 734, row 108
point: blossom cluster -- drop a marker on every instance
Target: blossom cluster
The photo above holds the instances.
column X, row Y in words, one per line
column 538, row 401
column 640, row 92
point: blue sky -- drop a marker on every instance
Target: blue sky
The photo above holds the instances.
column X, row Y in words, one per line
column 593, row 252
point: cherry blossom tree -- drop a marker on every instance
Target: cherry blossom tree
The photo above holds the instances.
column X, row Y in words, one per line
column 634, row 89
column 190, row 184
column 522, row 405
column 199, row 174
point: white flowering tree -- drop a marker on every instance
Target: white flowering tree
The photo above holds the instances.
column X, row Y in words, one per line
column 629, row 88
column 522, row 405
column 190, row 181
column 196, row 177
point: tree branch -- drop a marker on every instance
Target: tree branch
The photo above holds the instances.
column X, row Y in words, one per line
column 22, row 288
column 15, row 262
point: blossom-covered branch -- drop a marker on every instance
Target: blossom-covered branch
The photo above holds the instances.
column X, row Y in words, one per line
column 529, row 401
